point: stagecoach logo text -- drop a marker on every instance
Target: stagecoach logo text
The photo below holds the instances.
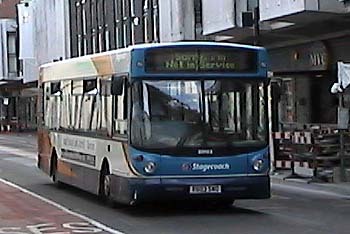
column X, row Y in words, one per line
column 205, row 167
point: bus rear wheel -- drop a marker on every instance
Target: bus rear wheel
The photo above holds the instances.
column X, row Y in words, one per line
column 105, row 184
column 54, row 172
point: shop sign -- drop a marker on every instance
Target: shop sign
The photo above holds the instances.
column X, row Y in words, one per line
column 318, row 59
column 302, row 58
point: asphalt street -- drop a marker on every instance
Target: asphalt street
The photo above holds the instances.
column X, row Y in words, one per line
column 291, row 209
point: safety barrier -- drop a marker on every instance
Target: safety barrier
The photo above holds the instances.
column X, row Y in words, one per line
column 286, row 143
column 312, row 153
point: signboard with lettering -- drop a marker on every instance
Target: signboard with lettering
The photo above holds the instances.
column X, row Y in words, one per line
column 301, row 58
column 200, row 59
column 79, row 150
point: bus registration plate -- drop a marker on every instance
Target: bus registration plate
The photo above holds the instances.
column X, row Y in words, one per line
column 205, row 189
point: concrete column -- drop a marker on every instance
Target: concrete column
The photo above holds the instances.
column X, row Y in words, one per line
column 3, row 45
column 1, row 52
column 176, row 20
column 66, row 20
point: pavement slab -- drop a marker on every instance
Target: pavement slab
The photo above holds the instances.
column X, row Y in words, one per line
column 22, row 212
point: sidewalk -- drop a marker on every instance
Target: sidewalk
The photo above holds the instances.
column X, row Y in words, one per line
column 24, row 212
column 341, row 189
column 21, row 212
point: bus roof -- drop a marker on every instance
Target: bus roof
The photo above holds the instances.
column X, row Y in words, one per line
column 195, row 43
column 115, row 61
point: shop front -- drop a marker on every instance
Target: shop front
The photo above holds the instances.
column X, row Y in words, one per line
column 305, row 112
column 18, row 106
column 304, row 75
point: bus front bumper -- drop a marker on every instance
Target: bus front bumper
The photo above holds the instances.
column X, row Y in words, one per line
column 148, row 190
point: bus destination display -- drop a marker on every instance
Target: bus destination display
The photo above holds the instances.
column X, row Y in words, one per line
column 214, row 60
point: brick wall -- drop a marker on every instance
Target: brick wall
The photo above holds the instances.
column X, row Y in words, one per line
column 8, row 9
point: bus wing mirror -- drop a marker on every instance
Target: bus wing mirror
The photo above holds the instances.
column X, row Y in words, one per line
column 117, row 85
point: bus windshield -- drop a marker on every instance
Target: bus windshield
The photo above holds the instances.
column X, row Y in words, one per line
column 224, row 116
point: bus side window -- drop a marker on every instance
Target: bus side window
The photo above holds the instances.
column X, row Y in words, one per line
column 65, row 109
column 46, row 104
column 89, row 106
column 76, row 103
column 54, row 104
column 56, row 89
column 106, row 106
column 120, row 106
column 90, row 86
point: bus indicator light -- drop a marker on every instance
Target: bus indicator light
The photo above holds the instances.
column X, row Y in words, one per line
column 186, row 167
column 139, row 158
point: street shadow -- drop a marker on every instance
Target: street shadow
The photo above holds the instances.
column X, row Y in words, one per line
column 170, row 209
column 74, row 191
column 160, row 209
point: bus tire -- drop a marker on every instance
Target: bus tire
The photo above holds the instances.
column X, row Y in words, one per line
column 54, row 162
column 105, row 184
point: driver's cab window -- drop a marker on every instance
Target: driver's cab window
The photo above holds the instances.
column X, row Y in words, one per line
column 120, row 107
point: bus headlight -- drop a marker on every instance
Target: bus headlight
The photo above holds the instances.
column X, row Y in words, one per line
column 258, row 165
column 150, row 167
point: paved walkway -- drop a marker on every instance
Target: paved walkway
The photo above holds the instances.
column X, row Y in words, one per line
column 21, row 212
column 341, row 189
column 24, row 212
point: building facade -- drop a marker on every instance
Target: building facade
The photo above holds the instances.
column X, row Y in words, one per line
column 305, row 39
column 102, row 25
column 27, row 40
column 10, row 80
column 43, row 37
column 304, row 55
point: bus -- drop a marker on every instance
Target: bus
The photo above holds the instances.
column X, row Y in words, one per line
column 168, row 121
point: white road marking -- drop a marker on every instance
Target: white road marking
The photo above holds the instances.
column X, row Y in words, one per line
column 85, row 218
